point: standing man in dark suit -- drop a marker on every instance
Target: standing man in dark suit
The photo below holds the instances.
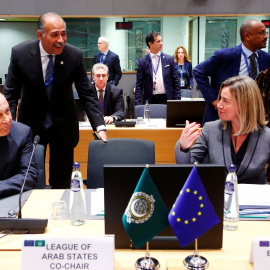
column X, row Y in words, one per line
column 246, row 59
column 16, row 145
column 157, row 75
column 110, row 59
column 41, row 73
column 110, row 97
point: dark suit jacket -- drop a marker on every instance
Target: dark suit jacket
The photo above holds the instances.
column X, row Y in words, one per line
column 113, row 101
column 216, row 143
column 25, row 75
column 15, row 153
column 113, row 63
column 225, row 63
column 144, row 83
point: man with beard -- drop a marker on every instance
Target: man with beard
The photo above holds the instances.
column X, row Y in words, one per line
column 41, row 74
column 246, row 59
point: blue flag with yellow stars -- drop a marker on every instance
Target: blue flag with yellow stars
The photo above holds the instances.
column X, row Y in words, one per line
column 146, row 214
column 192, row 213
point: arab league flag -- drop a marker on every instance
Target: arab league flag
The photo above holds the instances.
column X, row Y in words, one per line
column 146, row 214
column 192, row 213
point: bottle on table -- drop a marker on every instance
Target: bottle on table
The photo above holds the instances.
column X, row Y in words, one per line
column 146, row 111
column 77, row 208
column 231, row 203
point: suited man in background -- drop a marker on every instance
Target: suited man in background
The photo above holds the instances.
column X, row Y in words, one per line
column 110, row 97
column 16, row 145
column 229, row 62
column 157, row 75
column 110, row 59
column 41, row 73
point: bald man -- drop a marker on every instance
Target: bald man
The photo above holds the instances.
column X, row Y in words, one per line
column 15, row 151
column 41, row 73
column 229, row 62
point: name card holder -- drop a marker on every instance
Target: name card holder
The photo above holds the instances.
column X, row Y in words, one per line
column 47, row 252
column 260, row 253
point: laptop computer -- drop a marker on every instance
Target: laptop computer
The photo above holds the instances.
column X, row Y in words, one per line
column 120, row 182
column 178, row 111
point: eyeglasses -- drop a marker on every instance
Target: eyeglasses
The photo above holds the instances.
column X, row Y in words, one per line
column 262, row 33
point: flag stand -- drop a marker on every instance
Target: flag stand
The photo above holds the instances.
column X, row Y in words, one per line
column 147, row 262
column 196, row 262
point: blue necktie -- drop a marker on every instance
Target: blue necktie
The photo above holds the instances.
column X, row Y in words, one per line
column 102, row 58
column 48, row 87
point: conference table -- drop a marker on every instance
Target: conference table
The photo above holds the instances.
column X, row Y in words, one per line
column 164, row 139
column 233, row 255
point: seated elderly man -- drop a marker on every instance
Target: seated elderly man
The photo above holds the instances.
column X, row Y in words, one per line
column 15, row 151
column 110, row 97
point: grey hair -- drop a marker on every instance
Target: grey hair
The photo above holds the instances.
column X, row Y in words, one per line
column 106, row 40
column 98, row 66
column 42, row 21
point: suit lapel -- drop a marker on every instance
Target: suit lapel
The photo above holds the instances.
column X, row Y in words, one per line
column 149, row 64
column 236, row 61
column 107, row 99
column 35, row 63
column 107, row 57
column 251, row 147
column 226, row 137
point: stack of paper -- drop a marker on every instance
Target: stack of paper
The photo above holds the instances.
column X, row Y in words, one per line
column 97, row 202
column 254, row 202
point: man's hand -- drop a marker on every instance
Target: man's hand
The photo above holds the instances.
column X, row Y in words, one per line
column 103, row 135
column 215, row 103
column 108, row 119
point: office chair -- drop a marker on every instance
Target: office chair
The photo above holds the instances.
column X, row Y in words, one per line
column 156, row 111
column 40, row 159
column 186, row 93
column 116, row 151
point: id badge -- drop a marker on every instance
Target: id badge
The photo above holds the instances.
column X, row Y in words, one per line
column 182, row 83
column 154, row 85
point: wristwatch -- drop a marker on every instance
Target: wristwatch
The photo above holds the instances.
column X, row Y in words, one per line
column 114, row 118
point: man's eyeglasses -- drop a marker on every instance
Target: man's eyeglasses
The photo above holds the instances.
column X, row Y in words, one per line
column 262, row 33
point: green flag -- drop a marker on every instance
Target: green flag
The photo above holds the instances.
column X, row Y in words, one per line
column 146, row 214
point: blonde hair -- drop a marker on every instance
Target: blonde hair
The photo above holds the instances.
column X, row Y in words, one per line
column 186, row 58
column 247, row 96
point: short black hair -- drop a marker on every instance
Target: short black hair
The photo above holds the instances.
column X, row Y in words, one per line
column 150, row 37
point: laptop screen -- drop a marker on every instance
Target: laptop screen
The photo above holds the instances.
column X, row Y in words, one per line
column 120, row 182
column 178, row 111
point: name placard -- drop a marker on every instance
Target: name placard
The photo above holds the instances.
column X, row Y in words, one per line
column 47, row 252
column 260, row 253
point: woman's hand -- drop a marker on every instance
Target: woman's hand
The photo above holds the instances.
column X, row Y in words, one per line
column 190, row 133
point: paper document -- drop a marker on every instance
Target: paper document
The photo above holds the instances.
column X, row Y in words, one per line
column 254, row 201
column 97, row 202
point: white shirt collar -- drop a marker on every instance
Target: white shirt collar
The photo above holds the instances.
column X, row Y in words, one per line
column 158, row 54
column 100, row 89
column 247, row 51
column 43, row 53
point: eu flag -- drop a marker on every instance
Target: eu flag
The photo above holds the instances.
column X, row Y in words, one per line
column 192, row 213
column 146, row 214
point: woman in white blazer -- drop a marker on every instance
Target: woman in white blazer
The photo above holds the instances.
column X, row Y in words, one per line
column 240, row 137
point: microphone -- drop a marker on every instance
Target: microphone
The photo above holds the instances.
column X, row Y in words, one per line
column 27, row 225
column 128, row 101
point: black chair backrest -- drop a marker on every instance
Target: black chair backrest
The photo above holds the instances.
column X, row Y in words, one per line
column 116, row 151
column 156, row 111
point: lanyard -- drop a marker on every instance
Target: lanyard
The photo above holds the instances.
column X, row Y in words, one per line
column 249, row 72
column 49, row 81
column 155, row 71
column 181, row 71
